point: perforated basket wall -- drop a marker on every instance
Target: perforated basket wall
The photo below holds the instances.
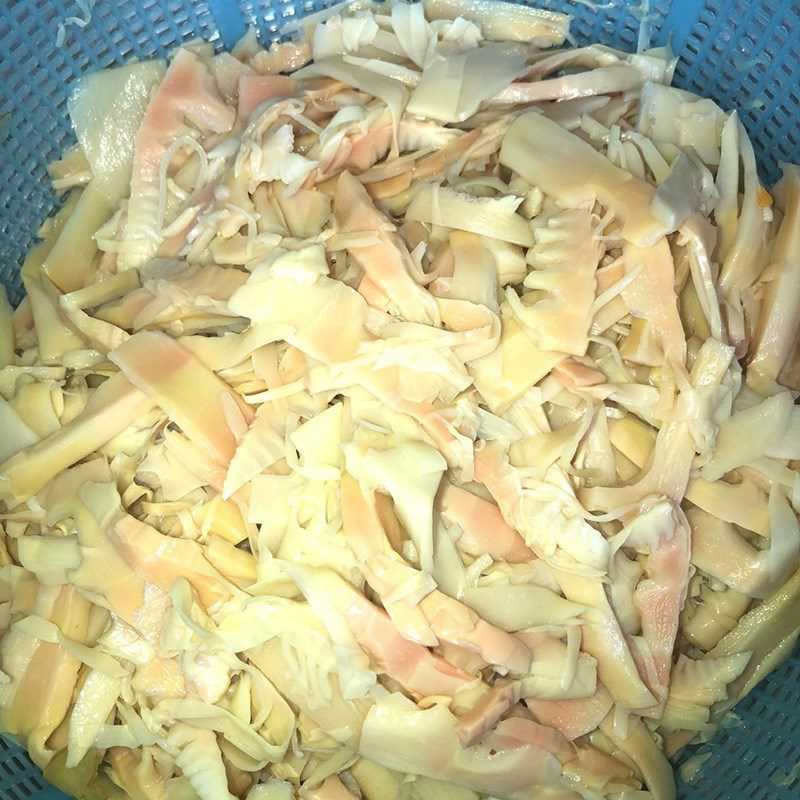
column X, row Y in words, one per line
column 742, row 53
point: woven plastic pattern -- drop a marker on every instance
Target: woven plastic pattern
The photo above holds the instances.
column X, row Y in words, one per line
column 749, row 57
column 36, row 79
column 742, row 53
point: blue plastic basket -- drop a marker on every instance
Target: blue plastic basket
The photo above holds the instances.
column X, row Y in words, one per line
column 742, row 53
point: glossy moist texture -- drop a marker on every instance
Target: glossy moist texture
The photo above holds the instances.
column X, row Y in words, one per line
column 404, row 410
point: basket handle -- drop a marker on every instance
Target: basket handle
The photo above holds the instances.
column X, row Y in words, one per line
column 229, row 19
column 681, row 20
